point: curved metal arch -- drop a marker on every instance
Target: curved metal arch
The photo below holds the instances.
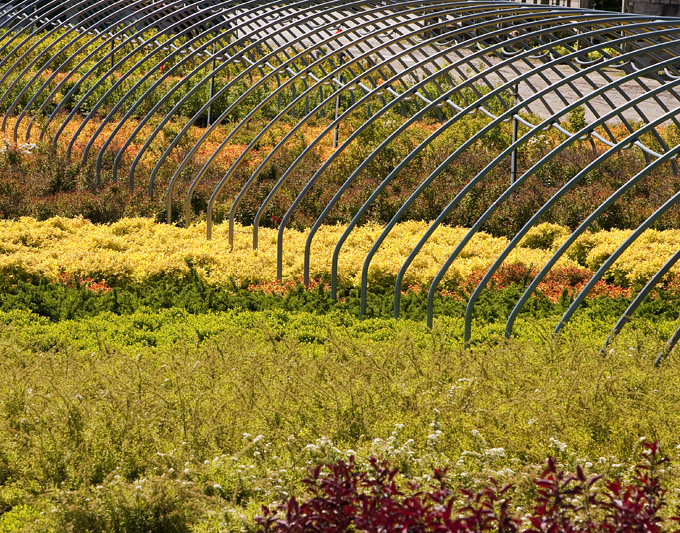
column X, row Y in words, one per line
column 612, row 258
column 516, row 239
column 265, row 203
column 37, row 44
column 194, row 89
column 101, row 80
column 329, row 77
column 287, row 172
column 447, row 210
column 477, row 225
column 639, row 298
column 279, row 253
column 610, row 261
column 320, row 220
column 119, row 82
column 30, row 4
column 559, row 194
column 404, row 43
column 243, row 122
column 177, row 51
column 398, row 99
column 411, row 199
column 168, row 116
column 670, row 156
column 106, row 75
column 58, row 69
column 364, row 286
column 264, row 80
column 19, row 27
column 185, row 129
column 156, row 84
column 668, row 348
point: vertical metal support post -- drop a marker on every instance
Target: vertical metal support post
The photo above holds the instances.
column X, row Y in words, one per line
column 337, row 126
column 212, row 84
column 336, row 131
column 278, row 96
column 515, row 124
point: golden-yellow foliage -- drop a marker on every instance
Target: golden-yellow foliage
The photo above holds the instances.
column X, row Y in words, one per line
column 138, row 249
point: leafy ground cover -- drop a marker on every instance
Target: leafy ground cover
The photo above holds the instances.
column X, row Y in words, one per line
column 142, row 395
column 164, row 420
column 155, row 382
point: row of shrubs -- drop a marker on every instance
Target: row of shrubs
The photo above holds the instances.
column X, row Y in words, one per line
column 343, row 497
column 73, row 298
column 46, row 183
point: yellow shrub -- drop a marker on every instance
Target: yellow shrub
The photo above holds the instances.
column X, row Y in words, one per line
column 138, row 249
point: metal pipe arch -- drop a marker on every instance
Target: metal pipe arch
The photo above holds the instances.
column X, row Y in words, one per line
column 308, row 243
column 265, row 79
column 390, row 58
column 231, row 222
column 397, row 216
column 295, row 102
column 36, row 45
column 668, row 348
column 612, row 258
column 111, row 39
column 177, row 51
column 410, row 258
column 194, row 89
column 430, row 101
column 106, row 59
column 156, row 84
column 476, row 105
column 332, row 201
column 408, row 202
column 530, row 223
column 30, row 49
column 16, row 35
column 244, row 121
column 447, row 210
column 398, row 99
column 577, row 232
column 120, row 81
column 191, row 121
column 335, row 52
column 57, row 70
column 397, row 291
column 557, row 196
column 627, row 315
column 101, row 80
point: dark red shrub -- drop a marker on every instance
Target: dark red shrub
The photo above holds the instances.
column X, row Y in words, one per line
column 343, row 497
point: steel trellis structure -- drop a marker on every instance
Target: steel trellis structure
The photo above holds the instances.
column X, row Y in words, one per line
column 507, row 61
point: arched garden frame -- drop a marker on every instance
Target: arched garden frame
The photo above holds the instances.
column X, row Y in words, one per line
column 533, row 66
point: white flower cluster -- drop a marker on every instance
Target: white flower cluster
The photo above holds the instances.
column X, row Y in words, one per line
column 25, row 148
column 393, row 447
column 557, row 445
column 258, row 444
column 326, row 450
